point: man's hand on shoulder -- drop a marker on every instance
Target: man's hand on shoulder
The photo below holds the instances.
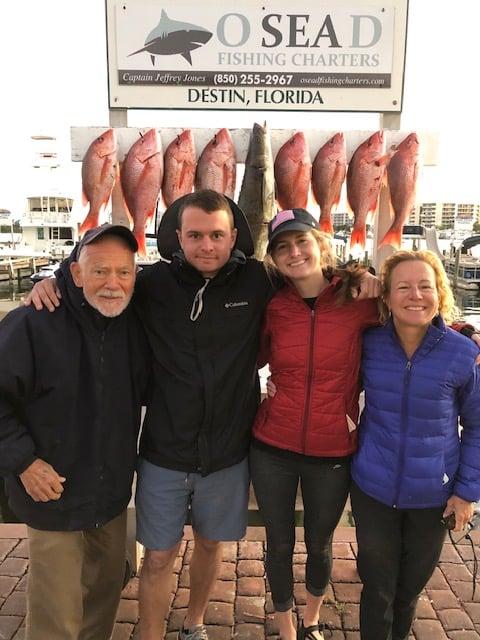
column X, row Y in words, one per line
column 369, row 287
column 44, row 294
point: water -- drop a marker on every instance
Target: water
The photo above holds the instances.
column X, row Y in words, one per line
column 14, row 291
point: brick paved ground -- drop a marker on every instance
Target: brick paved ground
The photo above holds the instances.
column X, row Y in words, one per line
column 241, row 606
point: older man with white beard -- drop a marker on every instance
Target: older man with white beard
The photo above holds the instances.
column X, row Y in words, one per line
column 71, row 391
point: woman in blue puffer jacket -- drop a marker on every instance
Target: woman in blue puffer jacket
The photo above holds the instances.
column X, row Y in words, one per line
column 414, row 465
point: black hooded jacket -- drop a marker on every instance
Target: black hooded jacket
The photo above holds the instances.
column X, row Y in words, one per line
column 71, row 390
column 204, row 341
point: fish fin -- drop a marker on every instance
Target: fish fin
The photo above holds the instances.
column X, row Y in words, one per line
column 151, row 213
column 152, row 58
column 127, row 213
column 187, row 56
column 393, row 237
column 350, row 208
column 370, row 216
column 84, row 199
column 142, row 248
column 90, row 222
column 326, row 225
column 358, row 236
column 385, row 159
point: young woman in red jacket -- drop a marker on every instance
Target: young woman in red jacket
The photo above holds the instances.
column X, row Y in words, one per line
column 306, row 433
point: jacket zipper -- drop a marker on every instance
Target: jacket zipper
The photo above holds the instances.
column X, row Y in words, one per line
column 306, row 412
column 403, row 429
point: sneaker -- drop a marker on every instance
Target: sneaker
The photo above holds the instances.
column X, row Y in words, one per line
column 199, row 632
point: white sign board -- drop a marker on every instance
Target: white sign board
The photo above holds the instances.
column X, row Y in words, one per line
column 333, row 56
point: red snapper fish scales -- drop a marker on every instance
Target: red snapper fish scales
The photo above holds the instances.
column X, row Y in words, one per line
column 217, row 165
column 141, row 178
column 180, row 163
column 403, row 173
column 329, row 169
column 293, row 173
column 99, row 172
column 365, row 174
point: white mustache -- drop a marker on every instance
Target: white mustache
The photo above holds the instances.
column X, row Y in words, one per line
column 110, row 294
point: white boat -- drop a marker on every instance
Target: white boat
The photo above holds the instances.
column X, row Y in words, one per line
column 463, row 269
column 49, row 226
column 49, row 223
column 48, row 271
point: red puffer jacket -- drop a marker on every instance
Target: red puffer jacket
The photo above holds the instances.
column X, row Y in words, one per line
column 314, row 359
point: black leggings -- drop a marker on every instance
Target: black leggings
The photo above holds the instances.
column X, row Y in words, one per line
column 398, row 550
column 325, row 487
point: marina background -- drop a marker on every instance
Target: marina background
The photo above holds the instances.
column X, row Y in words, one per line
column 54, row 75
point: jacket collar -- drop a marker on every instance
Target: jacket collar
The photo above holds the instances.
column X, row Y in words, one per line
column 435, row 332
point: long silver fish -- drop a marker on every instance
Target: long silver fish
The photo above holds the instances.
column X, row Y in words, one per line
column 257, row 194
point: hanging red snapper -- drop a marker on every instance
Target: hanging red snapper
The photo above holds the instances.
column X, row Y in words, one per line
column 328, row 175
column 403, row 173
column 293, row 173
column 141, row 178
column 179, row 167
column 217, row 165
column 364, row 178
column 99, row 172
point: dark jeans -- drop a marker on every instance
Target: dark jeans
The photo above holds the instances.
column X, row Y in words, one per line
column 325, row 488
column 398, row 550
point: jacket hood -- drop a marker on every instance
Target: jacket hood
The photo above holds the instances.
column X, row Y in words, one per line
column 167, row 241
column 71, row 294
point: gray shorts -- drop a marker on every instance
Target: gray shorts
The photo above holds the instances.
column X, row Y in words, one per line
column 218, row 504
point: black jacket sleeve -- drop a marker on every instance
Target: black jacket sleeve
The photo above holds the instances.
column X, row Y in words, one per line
column 17, row 448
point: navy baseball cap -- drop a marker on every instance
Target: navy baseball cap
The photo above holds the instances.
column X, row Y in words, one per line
column 290, row 220
column 108, row 229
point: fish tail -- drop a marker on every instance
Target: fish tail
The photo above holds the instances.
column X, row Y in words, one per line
column 90, row 222
column 326, row 225
column 142, row 247
column 358, row 237
column 393, row 237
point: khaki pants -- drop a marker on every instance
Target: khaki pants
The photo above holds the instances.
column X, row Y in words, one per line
column 74, row 582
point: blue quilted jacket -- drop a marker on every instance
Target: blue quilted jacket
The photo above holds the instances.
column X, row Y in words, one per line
column 412, row 453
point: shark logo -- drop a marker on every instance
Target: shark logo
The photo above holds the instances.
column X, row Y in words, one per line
column 171, row 37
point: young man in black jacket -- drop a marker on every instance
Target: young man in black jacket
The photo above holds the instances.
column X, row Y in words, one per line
column 202, row 312
column 71, row 390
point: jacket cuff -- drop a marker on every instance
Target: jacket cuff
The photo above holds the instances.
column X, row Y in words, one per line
column 25, row 464
column 467, row 330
